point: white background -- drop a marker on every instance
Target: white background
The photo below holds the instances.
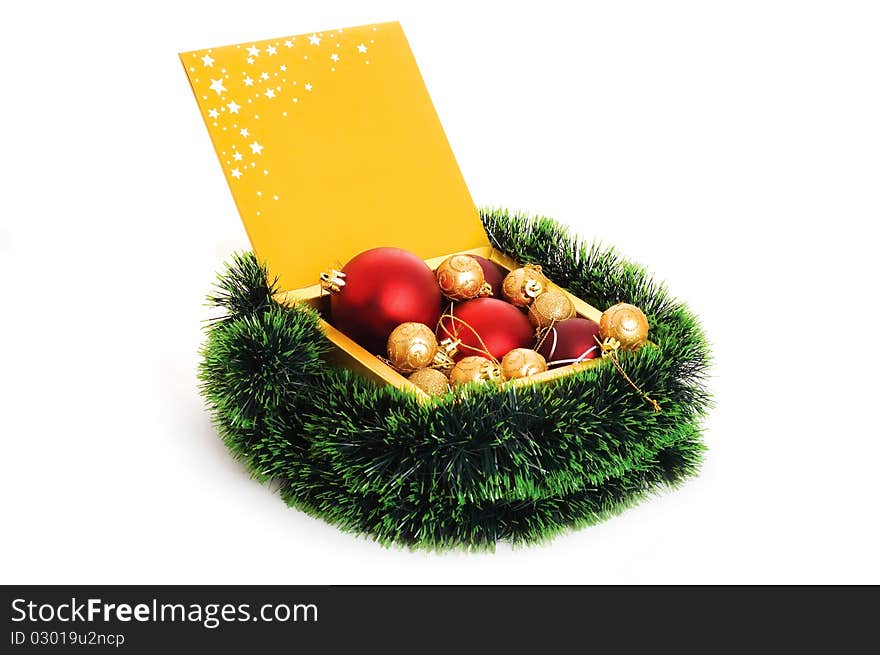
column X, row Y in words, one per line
column 733, row 147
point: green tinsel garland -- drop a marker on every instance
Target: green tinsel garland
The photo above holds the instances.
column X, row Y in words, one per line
column 518, row 464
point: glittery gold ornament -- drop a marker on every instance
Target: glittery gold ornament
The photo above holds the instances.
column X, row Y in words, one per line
column 626, row 324
column 521, row 363
column 411, row 346
column 523, row 285
column 431, row 381
column 474, row 369
column 550, row 307
column 461, row 278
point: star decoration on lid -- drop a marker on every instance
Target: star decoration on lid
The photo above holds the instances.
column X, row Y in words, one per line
column 245, row 153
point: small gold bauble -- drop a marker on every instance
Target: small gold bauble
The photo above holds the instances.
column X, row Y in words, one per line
column 431, row 381
column 626, row 323
column 523, row 285
column 550, row 307
column 411, row 346
column 461, row 277
column 521, row 363
column 474, row 369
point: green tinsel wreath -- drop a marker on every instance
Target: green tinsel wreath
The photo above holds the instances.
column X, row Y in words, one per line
column 468, row 470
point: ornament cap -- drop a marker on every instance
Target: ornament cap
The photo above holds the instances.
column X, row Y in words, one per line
column 332, row 280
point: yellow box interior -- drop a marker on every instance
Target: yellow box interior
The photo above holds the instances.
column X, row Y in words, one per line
column 351, row 355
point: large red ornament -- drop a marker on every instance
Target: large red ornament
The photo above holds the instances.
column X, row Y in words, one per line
column 501, row 327
column 570, row 341
column 493, row 274
column 384, row 287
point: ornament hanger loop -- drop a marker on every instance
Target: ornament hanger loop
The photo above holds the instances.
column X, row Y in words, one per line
column 610, row 347
column 485, row 349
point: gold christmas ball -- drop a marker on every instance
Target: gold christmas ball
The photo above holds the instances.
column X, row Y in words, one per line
column 431, row 381
column 523, row 285
column 550, row 307
column 461, row 277
column 411, row 346
column 474, row 369
column 626, row 323
column 521, row 363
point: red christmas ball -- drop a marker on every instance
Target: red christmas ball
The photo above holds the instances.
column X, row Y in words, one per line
column 384, row 287
column 571, row 341
column 501, row 327
column 493, row 274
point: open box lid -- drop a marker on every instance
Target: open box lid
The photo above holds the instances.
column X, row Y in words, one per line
column 331, row 146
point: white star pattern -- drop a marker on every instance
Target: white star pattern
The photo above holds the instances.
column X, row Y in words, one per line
column 243, row 150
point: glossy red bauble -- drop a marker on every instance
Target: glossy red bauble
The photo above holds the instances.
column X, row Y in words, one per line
column 384, row 287
column 493, row 273
column 501, row 326
column 571, row 341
